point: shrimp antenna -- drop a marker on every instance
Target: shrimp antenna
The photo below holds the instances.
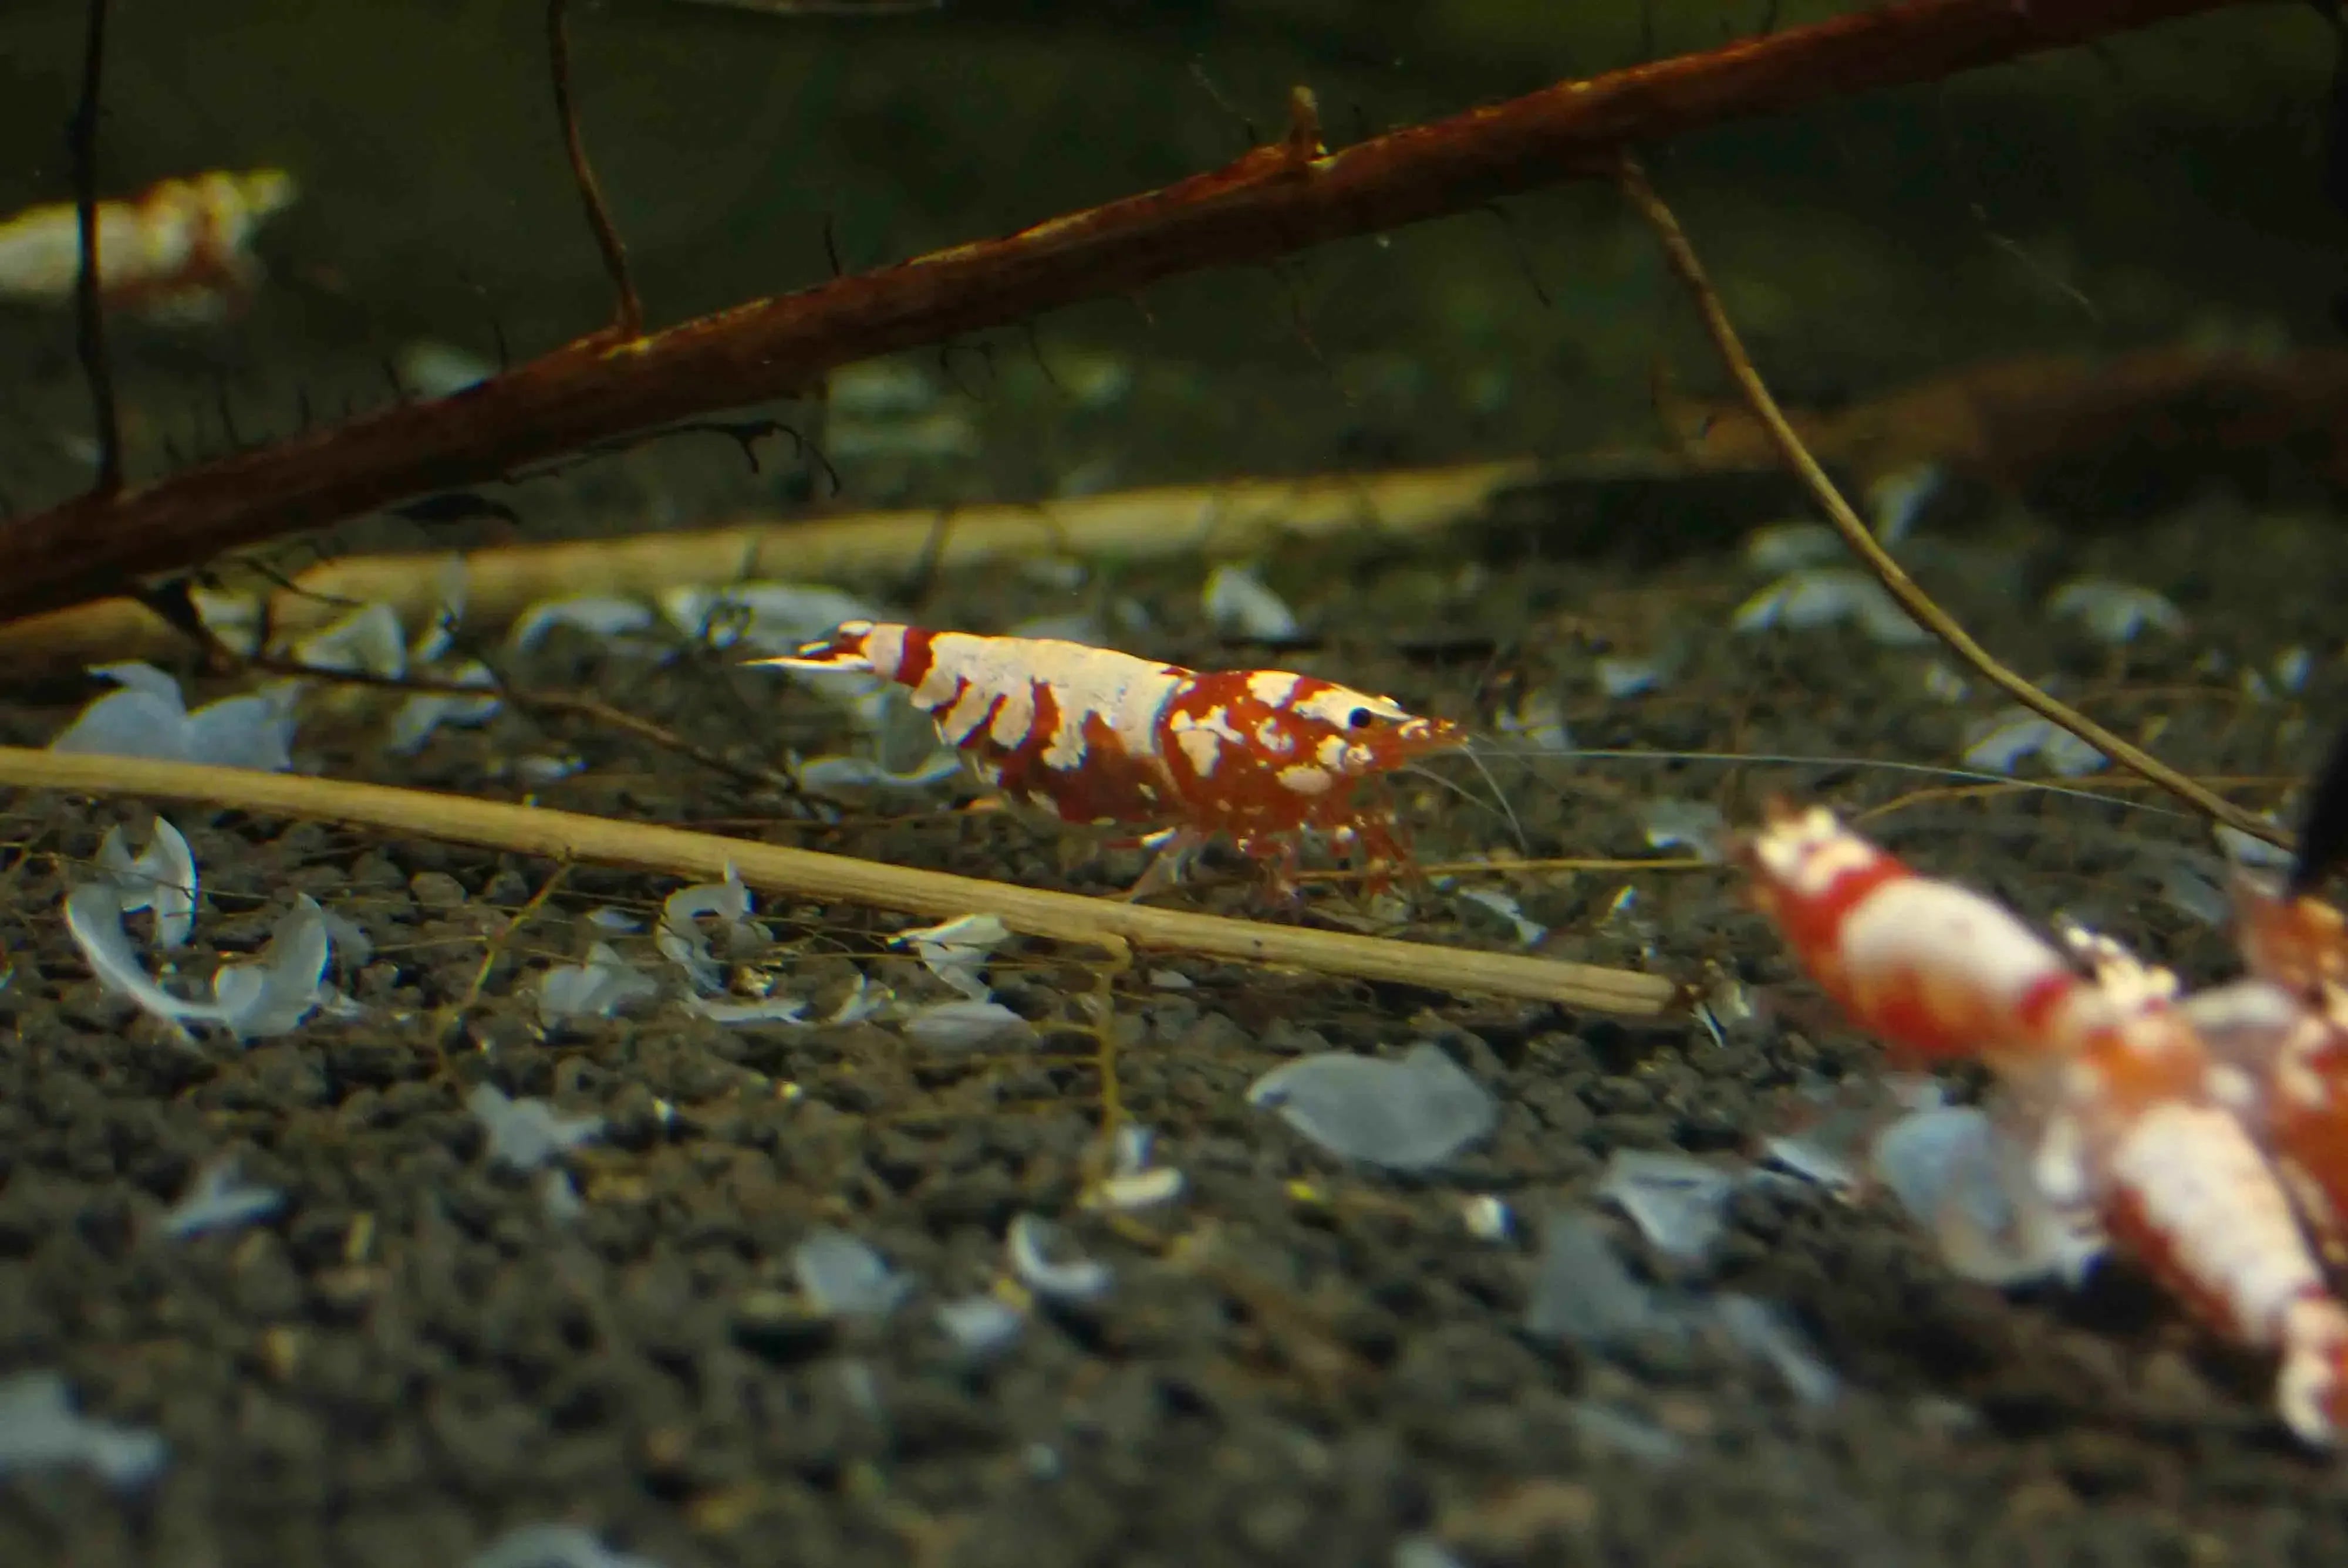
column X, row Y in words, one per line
column 1498, row 804
column 1888, row 764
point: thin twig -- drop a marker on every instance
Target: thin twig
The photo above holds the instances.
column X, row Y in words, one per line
column 628, row 311
column 807, row 874
column 1261, row 206
column 89, row 311
column 1920, row 605
column 495, row 946
column 576, row 703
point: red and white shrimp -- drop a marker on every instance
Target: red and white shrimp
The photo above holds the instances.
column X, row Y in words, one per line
column 180, row 249
column 1099, row 737
column 2171, row 1121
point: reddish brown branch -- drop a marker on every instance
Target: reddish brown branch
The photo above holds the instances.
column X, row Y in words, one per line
column 1265, row 204
column 89, row 313
column 627, row 313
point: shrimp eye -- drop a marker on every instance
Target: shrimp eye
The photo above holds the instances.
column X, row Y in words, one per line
column 1361, row 719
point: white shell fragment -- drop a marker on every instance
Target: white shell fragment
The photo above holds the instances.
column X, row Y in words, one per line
column 149, row 718
column 864, row 1001
column 2185, row 890
column 599, row 987
column 2243, row 849
column 39, row 1430
column 539, row 769
column 94, row 920
column 1961, row 1177
column 233, row 618
column 160, row 878
column 1695, row 825
column 613, row 621
column 370, row 640
column 351, row 944
column 1510, row 914
column 526, row 1133
column 218, row 1201
column 1042, row 1260
column 1943, row 684
column 1763, row 1332
column 553, row 1546
column 881, row 389
column 960, row 1025
column 838, row 775
column 957, row 950
column 1486, row 1217
column 2017, row 732
column 1133, row 1183
column 2293, row 666
column 940, row 434
column 984, row 1327
column 1896, row 500
column 1581, row 1291
column 2114, row 612
column 1538, row 722
column 287, row 985
column 270, row 997
column 1423, row 1551
column 1790, row 546
column 558, row 1196
column 1620, row 677
column 771, row 617
column 1625, row 1432
column 764, row 1009
column 440, row 632
column 682, row 939
column 1238, row 604
column 430, row 368
column 1679, row 1202
column 1406, row 1114
column 425, row 711
column 1802, row 601
column 1821, row 1156
column 842, row 1277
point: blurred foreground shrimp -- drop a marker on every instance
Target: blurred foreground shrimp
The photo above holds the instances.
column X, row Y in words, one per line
column 2205, row 1135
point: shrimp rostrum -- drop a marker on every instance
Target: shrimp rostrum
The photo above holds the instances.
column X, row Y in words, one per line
column 1097, row 737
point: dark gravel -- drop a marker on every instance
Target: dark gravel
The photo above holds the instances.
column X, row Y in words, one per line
column 1301, row 1361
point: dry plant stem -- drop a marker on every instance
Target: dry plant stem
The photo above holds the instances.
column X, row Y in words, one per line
column 665, row 851
column 496, row 944
column 1234, row 515
column 1101, row 1002
column 628, row 311
column 1263, row 205
column 89, row 309
column 1863, row 543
